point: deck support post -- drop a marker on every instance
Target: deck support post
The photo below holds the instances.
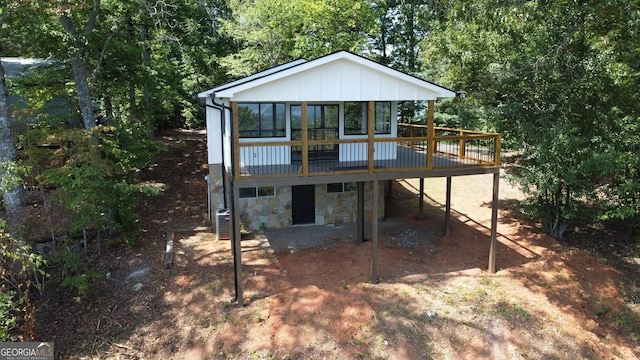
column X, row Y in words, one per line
column 421, row 198
column 374, row 234
column 237, row 244
column 305, row 141
column 360, row 214
column 371, row 128
column 447, row 211
column 233, row 193
column 431, row 149
column 494, row 223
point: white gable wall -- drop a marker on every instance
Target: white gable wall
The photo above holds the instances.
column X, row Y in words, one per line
column 215, row 136
column 341, row 80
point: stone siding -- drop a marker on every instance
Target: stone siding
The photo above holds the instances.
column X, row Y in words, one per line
column 270, row 212
column 216, row 191
column 273, row 212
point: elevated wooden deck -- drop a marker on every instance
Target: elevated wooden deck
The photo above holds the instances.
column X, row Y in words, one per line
column 445, row 154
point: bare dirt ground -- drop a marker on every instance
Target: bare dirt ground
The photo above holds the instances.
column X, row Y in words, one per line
column 434, row 299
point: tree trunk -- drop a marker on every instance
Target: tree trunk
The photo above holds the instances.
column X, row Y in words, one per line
column 133, row 108
column 7, row 148
column 78, row 64
column 146, row 61
column 82, row 88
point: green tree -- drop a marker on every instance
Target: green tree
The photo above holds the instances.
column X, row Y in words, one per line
column 265, row 33
column 9, row 183
column 19, row 267
column 401, row 27
column 622, row 25
column 78, row 19
column 142, row 60
column 272, row 32
column 548, row 76
column 96, row 181
column 329, row 26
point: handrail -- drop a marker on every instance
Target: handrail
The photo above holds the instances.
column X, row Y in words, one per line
column 370, row 154
column 438, row 128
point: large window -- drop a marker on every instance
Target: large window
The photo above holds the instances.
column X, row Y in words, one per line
column 355, row 118
column 262, row 120
column 322, row 124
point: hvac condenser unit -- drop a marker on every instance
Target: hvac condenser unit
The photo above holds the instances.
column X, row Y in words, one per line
column 223, row 224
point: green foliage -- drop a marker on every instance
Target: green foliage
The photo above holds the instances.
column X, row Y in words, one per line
column 94, row 173
column 67, row 258
column 272, row 32
column 81, row 282
column 628, row 320
column 10, row 176
column 17, row 258
column 17, row 267
column 558, row 79
column 623, row 191
column 73, row 270
column 43, row 96
column 143, row 61
column 9, row 303
column 559, row 89
column 461, row 114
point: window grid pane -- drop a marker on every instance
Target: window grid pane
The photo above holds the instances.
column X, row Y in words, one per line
column 334, row 188
column 247, row 192
column 265, row 191
column 383, row 118
column 355, row 118
column 261, row 120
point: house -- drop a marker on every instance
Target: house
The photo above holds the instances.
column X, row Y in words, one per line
column 315, row 142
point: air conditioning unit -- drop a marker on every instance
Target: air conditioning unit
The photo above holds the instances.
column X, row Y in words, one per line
column 223, row 224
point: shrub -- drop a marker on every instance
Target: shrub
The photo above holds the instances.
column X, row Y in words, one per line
column 94, row 173
column 18, row 270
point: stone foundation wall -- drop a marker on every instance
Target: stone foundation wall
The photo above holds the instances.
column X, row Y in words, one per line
column 330, row 208
column 270, row 212
column 216, row 191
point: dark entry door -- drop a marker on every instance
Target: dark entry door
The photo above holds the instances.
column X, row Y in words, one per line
column 303, row 205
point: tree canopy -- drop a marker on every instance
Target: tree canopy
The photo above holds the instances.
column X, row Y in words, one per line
column 559, row 79
column 553, row 78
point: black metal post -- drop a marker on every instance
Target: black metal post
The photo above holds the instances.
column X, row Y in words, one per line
column 360, row 214
column 447, row 211
column 494, row 223
column 374, row 234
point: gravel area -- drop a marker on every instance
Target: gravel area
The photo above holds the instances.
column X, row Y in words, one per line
column 394, row 233
column 296, row 238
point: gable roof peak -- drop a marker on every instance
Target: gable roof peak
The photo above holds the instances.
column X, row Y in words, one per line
column 338, row 82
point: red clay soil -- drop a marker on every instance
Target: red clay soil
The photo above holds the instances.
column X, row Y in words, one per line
column 434, row 300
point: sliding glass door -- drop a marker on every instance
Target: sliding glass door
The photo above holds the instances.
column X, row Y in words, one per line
column 322, row 122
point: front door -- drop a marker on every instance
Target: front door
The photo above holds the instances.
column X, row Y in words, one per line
column 303, row 205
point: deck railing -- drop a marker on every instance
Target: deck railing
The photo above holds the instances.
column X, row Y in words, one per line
column 413, row 149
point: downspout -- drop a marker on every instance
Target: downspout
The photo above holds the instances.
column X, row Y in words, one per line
column 221, row 108
column 237, row 277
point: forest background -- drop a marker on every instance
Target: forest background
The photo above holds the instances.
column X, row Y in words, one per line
column 559, row 79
